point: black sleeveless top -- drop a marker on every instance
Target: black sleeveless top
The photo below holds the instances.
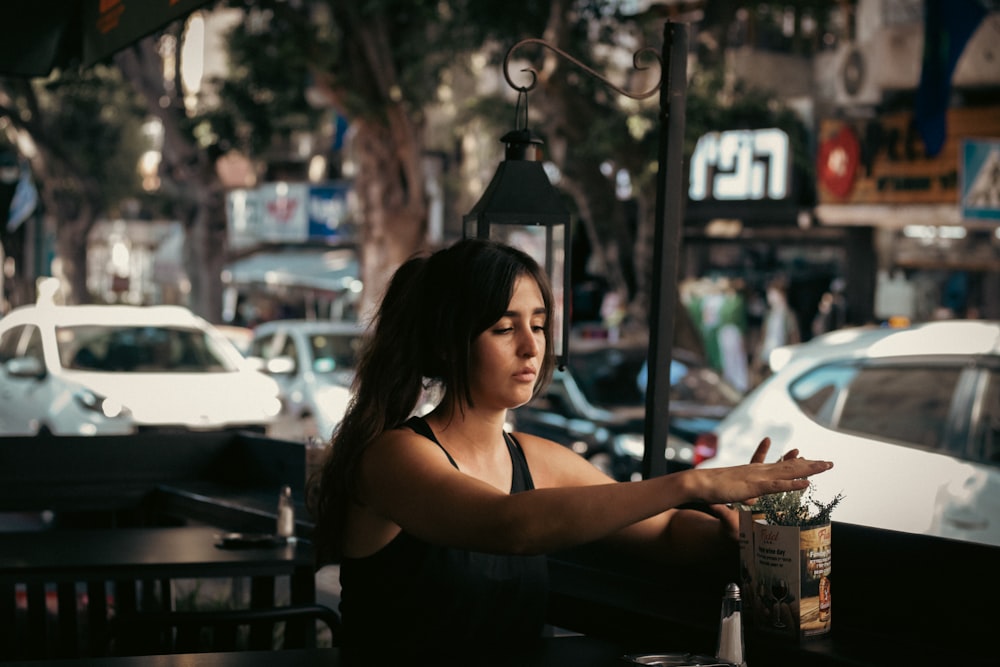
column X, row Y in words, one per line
column 413, row 600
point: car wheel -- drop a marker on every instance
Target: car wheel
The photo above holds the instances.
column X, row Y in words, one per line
column 309, row 429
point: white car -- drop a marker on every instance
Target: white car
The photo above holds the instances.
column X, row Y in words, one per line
column 115, row 370
column 910, row 418
column 313, row 362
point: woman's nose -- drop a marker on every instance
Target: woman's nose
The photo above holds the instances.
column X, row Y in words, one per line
column 528, row 344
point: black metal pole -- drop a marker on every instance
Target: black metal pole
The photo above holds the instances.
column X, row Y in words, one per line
column 666, row 243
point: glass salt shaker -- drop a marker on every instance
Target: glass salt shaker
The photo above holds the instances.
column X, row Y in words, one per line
column 731, row 649
column 286, row 514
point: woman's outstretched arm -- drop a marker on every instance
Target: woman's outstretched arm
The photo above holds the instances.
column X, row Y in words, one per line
column 407, row 480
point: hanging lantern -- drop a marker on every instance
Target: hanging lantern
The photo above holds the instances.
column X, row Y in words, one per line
column 522, row 208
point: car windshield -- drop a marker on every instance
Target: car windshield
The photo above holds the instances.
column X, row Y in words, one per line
column 333, row 353
column 616, row 377
column 608, row 378
column 139, row 349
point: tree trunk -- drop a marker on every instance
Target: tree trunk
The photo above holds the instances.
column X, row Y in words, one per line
column 72, row 211
column 189, row 172
column 390, row 189
column 205, row 253
column 71, row 248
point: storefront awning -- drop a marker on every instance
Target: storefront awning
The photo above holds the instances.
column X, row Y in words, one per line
column 888, row 215
column 334, row 270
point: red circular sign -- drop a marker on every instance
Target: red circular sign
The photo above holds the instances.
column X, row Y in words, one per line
column 839, row 155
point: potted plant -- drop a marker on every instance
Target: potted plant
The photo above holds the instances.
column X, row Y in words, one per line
column 785, row 562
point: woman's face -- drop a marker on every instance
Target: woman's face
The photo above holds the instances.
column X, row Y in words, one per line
column 507, row 356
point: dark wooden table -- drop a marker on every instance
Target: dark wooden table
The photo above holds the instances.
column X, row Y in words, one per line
column 148, row 553
column 120, row 567
column 317, row 657
column 569, row 651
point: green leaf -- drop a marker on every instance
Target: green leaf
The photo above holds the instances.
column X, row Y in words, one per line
column 796, row 508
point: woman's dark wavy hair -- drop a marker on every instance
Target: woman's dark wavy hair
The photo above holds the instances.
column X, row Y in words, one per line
column 433, row 309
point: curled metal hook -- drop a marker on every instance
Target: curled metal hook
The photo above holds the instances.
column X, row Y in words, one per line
column 534, row 75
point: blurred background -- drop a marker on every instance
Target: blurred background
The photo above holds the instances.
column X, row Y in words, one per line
column 267, row 164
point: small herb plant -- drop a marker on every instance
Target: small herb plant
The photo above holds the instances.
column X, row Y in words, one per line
column 795, row 508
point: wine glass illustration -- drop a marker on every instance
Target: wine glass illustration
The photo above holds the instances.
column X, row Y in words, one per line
column 779, row 590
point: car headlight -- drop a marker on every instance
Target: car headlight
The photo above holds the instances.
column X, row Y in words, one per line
column 95, row 402
column 629, row 444
column 333, row 401
column 272, row 407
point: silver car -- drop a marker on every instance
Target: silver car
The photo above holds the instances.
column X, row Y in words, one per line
column 313, row 362
column 910, row 418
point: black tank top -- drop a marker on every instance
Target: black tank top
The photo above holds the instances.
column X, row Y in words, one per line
column 413, row 600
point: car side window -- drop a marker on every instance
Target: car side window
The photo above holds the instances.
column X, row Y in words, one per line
column 818, row 392
column 261, row 347
column 908, row 404
column 34, row 346
column 893, row 402
column 269, row 346
column 289, row 350
column 987, row 434
column 8, row 343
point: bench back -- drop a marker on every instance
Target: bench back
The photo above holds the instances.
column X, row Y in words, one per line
column 109, row 473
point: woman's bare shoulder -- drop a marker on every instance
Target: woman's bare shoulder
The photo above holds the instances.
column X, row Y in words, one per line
column 552, row 464
column 400, row 459
column 400, row 441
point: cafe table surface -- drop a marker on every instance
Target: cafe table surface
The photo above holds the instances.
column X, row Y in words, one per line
column 564, row 651
column 133, row 553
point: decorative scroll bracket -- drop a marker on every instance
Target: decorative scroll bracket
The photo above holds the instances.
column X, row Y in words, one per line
column 636, row 63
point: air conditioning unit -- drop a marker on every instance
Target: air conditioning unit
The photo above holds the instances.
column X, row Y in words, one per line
column 854, row 80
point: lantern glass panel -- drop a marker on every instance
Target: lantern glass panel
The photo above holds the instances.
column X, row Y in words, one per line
column 546, row 244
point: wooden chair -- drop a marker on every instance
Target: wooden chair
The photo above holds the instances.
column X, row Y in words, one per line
column 160, row 632
column 68, row 619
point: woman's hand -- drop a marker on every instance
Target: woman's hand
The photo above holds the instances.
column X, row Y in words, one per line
column 727, row 513
column 744, row 483
column 760, row 454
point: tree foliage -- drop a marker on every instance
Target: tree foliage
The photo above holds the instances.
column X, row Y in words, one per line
column 83, row 130
column 383, row 64
column 379, row 63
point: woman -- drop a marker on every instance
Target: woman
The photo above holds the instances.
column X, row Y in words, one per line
column 441, row 523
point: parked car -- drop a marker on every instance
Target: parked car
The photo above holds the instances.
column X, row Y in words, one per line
column 596, row 406
column 910, row 417
column 239, row 336
column 313, row 363
column 89, row 370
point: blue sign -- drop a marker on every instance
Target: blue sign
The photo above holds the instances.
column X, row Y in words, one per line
column 327, row 209
column 289, row 213
column 979, row 193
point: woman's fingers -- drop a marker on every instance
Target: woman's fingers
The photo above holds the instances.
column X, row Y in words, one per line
column 747, row 482
column 729, row 518
column 761, row 452
column 765, row 445
column 789, row 474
